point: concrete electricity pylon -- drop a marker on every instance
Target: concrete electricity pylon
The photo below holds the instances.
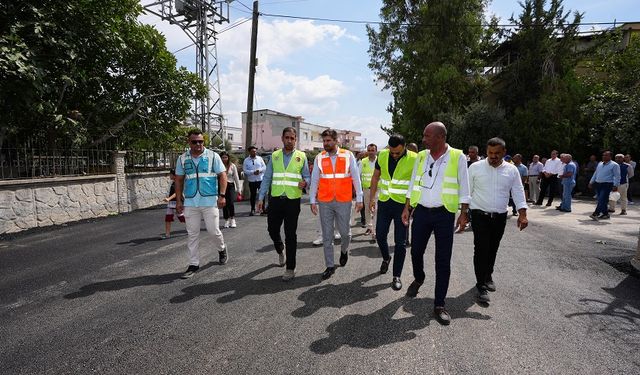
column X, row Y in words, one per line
column 198, row 19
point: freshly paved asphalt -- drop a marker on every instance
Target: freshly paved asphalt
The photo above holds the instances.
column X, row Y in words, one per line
column 105, row 297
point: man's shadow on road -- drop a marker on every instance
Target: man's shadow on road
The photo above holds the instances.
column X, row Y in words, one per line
column 340, row 295
column 119, row 284
column 240, row 287
column 380, row 328
column 142, row 241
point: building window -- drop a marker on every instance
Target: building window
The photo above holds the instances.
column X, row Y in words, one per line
column 230, row 136
column 306, row 136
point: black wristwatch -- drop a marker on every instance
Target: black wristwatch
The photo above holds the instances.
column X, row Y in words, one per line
column 222, row 195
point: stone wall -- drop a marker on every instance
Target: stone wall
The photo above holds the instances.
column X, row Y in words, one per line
column 146, row 189
column 36, row 203
column 26, row 204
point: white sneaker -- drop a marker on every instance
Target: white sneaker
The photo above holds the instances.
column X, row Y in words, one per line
column 282, row 260
column 233, row 223
column 337, row 236
column 226, row 224
column 317, row 241
column 288, row 275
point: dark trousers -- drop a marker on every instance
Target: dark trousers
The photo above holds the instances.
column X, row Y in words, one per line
column 629, row 192
column 603, row 189
column 253, row 190
column 229, row 209
column 548, row 183
column 363, row 219
column 440, row 222
column 487, row 233
column 287, row 210
column 387, row 212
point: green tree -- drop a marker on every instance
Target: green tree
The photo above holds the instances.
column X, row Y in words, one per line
column 539, row 89
column 611, row 75
column 86, row 72
column 429, row 54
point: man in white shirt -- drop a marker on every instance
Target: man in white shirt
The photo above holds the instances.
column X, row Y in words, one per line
column 549, row 178
column 534, row 173
column 439, row 184
column 491, row 182
column 253, row 168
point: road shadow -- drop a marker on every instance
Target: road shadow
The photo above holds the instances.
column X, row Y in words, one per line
column 593, row 222
column 141, row 241
column 239, row 287
column 339, row 295
column 380, row 328
column 371, row 251
column 119, row 284
column 622, row 313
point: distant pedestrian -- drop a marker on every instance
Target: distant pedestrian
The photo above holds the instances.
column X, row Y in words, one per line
column 606, row 179
column 253, row 168
column 491, row 183
column 171, row 206
column 622, row 187
column 334, row 177
column 472, row 155
column 367, row 166
column 439, row 185
column 552, row 168
column 568, row 181
column 533, row 176
column 392, row 176
column 202, row 181
column 523, row 171
column 631, row 177
column 412, row 147
column 286, row 175
column 233, row 186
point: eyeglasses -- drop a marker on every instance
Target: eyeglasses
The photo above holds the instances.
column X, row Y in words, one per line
column 197, row 142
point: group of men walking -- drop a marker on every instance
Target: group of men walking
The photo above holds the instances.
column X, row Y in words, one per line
column 396, row 185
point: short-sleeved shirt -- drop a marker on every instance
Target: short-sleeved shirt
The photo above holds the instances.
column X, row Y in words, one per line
column 570, row 167
column 198, row 200
column 524, row 172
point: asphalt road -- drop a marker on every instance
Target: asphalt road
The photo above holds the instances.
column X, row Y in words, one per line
column 105, row 297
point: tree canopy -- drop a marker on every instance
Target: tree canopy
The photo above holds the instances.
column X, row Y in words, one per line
column 88, row 71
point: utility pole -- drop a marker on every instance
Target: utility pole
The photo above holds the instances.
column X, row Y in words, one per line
column 252, row 73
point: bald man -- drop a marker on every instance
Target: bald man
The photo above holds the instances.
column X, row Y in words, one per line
column 439, row 184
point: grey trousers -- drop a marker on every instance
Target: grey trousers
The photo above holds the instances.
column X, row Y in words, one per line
column 340, row 214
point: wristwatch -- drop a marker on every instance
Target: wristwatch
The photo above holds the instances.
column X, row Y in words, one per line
column 221, row 195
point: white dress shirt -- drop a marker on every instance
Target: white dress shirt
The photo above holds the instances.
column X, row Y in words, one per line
column 553, row 166
column 431, row 187
column 490, row 187
column 251, row 165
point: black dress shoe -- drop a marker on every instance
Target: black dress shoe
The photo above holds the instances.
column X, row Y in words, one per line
column 442, row 316
column 483, row 296
column 396, row 284
column 344, row 257
column 490, row 285
column 384, row 267
column 328, row 272
column 412, row 290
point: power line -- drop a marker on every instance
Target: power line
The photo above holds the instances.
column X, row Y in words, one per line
column 241, row 3
column 217, row 33
column 273, row 15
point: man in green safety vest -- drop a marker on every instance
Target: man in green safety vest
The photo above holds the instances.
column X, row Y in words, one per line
column 367, row 166
column 286, row 174
column 391, row 179
column 439, row 184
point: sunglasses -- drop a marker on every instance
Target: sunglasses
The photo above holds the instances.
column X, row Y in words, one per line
column 431, row 169
column 197, row 142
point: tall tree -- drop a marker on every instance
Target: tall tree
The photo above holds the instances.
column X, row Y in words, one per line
column 428, row 53
column 611, row 75
column 538, row 89
column 87, row 71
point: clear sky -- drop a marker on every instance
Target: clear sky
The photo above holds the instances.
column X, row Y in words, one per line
column 319, row 69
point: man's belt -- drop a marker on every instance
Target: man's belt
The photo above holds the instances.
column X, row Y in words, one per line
column 492, row 215
column 433, row 209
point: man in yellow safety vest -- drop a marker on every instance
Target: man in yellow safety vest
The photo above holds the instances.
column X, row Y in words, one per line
column 439, row 184
column 391, row 179
column 367, row 166
column 286, row 174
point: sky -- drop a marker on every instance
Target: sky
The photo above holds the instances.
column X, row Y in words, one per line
column 319, row 69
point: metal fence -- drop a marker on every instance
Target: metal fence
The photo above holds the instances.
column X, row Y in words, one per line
column 19, row 163
column 141, row 161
